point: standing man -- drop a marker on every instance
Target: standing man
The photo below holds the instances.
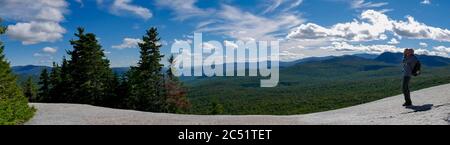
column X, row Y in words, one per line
column 409, row 61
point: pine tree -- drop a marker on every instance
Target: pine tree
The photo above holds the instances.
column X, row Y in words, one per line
column 65, row 86
column 29, row 89
column 123, row 92
column 89, row 70
column 55, row 81
column 176, row 99
column 14, row 107
column 146, row 79
column 44, row 90
column 112, row 98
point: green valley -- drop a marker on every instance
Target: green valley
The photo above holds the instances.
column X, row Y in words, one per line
column 309, row 87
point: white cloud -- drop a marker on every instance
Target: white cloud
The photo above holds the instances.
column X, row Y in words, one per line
column 377, row 49
column 344, row 46
column 189, row 41
column 295, row 3
column 421, row 51
column 46, row 55
column 235, row 23
column 426, row 2
column 33, row 10
column 128, row 43
column 442, row 49
column 360, row 4
column 36, row 32
column 393, row 41
column 423, row 44
column 385, row 10
column 205, row 23
column 208, row 46
column 43, row 58
column 242, row 25
column 163, row 42
column 416, row 30
column 37, row 20
column 273, row 5
column 49, row 50
column 37, row 54
column 286, row 4
column 120, row 6
column 287, row 55
column 373, row 26
column 230, row 44
column 183, row 9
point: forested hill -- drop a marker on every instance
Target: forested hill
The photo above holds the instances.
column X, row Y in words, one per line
column 311, row 85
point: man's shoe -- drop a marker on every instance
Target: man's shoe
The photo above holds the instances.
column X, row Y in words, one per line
column 406, row 104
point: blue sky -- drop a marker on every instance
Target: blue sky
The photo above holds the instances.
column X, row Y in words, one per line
column 39, row 30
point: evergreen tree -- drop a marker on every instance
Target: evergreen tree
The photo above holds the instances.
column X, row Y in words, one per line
column 176, row 99
column 14, row 107
column 146, row 79
column 65, row 86
column 123, row 92
column 30, row 90
column 89, row 70
column 55, row 81
column 112, row 98
column 44, row 90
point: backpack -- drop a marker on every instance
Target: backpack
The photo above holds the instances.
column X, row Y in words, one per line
column 416, row 69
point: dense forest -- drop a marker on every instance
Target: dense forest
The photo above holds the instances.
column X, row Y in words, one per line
column 86, row 78
column 309, row 87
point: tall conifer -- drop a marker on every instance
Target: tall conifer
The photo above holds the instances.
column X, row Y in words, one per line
column 89, row 70
column 14, row 107
column 44, row 89
column 146, row 79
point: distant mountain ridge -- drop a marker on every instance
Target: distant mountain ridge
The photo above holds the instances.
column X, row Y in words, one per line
column 370, row 59
column 366, row 55
column 35, row 70
column 396, row 58
column 30, row 70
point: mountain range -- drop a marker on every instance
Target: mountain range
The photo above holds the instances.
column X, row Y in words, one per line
column 320, row 84
column 387, row 57
column 305, row 86
column 34, row 70
column 396, row 58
